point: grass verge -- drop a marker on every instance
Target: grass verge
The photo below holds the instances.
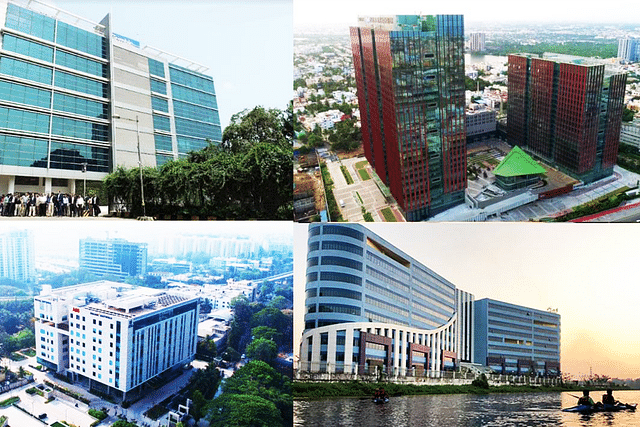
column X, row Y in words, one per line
column 347, row 175
column 388, row 215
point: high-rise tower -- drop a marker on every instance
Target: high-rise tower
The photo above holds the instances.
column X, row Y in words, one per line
column 567, row 111
column 410, row 79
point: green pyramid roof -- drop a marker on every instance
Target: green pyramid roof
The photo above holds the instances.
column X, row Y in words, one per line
column 518, row 163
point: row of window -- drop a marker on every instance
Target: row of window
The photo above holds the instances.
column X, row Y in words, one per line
column 193, row 96
column 156, row 68
column 195, row 112
column 191, row 79
column 198, row 129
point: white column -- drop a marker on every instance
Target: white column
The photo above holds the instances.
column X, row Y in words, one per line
column 396, row 349
column 403, row 352
column 348, row 351
column 72, row 186
column 315, row 352
column 331, row 351
column 11, row 188
column 47, row 185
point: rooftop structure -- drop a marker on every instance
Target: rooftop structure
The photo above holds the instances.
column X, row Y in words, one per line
column 78, row 100
column 517, row 170
column 114, row 337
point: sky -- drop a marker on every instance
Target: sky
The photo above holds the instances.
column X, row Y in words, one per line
column 55, row 238
column 247, row 45
column 586, row 271
column 315, row 12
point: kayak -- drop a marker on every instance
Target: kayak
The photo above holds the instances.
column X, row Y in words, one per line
column 588, row 409
column 380, row 400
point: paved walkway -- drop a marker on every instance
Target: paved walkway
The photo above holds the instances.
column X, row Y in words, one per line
column 361, row 193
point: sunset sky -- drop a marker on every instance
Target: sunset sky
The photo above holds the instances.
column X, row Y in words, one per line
column 587, row 271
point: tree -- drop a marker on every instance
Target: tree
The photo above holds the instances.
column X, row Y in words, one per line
column 205, row 381
column 627, row 115
column 243, row 410
column 199, row 402
column 265, row 332
column 259, row 379
column 263, row 349
column 231, row 355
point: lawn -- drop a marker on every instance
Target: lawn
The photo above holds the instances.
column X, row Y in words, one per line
column 361, row 164
column 364, row 175
column 388, row 215
column 29, row 352
column 346, row 174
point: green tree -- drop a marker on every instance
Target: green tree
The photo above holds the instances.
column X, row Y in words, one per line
column 263, row 349
column 198, row 404
column 627, row 115
column 243, row 411
column 265, row 332
column 205, row 381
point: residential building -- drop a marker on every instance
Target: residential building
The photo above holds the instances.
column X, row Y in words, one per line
column 476, row 42
column 78, row 100
column 567, row 111
column 371, row 306
column 629, row 49
column 514, row 339
column 113, row 257
column 17, row 256
column 409, row 72
column 114, row 337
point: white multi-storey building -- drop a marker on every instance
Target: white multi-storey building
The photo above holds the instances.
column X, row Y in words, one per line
column 114, row 337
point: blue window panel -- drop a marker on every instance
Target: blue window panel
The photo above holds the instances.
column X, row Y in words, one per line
column 12, row 118
column 26, row 47
column 159, row 104
column 156, row 68
column 193, row 96
column 163, row 142
column 162, row 159
column 23, row 94
column 187, row 144
column 81, row 84
column 79, row 129
column 72, row 156
column 25, row 70
column 195, row 112
column 198, row 129
column 191, row 79
column 30, row 22
column 78, row 39
column 76, row 105
column 158, row 86
column 161, row 123
column 81, row 64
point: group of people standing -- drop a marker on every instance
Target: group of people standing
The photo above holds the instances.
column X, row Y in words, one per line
column 40, row 204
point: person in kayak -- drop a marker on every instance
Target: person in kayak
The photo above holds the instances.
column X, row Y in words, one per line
column 585, row 399
column 380, row 393
column 608, row 399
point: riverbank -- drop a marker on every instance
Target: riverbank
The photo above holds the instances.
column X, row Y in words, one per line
column 314, row 390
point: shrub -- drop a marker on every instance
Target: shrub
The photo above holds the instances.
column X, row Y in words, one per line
column 481, row 382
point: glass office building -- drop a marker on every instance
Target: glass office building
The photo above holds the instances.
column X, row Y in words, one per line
column 113, row 257
column 566, row 110
column 410, row 79
column 78, row 100
column 372, row 308
column 512, row 339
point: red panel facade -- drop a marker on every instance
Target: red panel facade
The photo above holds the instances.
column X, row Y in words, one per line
column 516, row 121
column 540, row 107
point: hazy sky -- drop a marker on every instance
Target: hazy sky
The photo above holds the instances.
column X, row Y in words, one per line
column 316, row 12
column 246, row 44
column 587, row 271
column 59, row 238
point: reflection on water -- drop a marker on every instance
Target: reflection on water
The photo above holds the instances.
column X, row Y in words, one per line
column 517, row 409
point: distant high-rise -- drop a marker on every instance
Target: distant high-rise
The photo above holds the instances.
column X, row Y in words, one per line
column 567, row 111
column 78, row 100
column 629, row 49
column 476, row 42
column 113, row 257
column 410, row 79
column 17, row 260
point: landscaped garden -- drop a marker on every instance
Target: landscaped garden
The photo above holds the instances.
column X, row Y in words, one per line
column 388, row 215
column 360, row 167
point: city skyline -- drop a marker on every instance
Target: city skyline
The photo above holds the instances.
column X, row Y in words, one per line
column 67, row 237
column 530, row 265
column 310, row 14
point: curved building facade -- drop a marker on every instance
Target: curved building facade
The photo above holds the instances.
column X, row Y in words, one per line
column 370, row 305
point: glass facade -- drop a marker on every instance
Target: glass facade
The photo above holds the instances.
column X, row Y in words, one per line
column 55, row 79
column 410, row 80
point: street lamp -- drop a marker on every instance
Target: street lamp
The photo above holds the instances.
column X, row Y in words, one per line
column 144, row 216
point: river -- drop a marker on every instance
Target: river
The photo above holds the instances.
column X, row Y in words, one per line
column 513, row 409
